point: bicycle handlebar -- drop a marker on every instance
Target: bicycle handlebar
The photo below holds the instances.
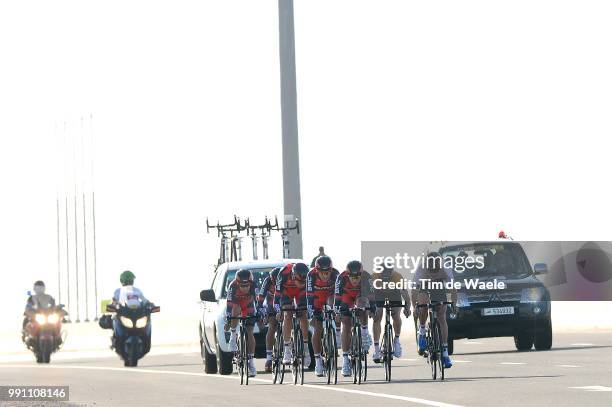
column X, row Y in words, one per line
column 433, row 304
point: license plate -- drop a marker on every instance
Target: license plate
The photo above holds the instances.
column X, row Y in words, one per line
column 498, row 311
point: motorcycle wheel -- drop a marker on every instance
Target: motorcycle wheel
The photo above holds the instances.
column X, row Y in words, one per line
column 44, row 351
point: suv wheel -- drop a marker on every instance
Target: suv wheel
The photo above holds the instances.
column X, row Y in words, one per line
column 523, row 341
column 224, row 360
column 543, row 337
column 210, row 360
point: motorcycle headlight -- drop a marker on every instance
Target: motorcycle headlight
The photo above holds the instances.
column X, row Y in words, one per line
column 126, row 322
column 141, row 322
column 533, row 294
column 41, row 319
column 462, row 300
column 53, row 319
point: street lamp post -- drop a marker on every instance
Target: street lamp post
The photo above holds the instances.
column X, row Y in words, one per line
column 291, row 163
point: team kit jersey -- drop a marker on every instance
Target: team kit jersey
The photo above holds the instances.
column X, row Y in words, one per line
column 288, row 293
column 243, row 297
column 266, row 294
column 319, row 290
column 381, row 294
column 346, row 293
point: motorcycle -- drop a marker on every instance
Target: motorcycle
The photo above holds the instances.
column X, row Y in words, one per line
column 43, row 332
column 132, row 331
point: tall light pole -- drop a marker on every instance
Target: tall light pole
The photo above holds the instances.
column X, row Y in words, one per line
column 291, row 163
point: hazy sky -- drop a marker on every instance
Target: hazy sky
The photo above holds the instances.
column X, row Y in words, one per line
column 417, row 120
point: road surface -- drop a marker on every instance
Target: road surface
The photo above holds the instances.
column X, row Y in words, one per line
column 487, row 372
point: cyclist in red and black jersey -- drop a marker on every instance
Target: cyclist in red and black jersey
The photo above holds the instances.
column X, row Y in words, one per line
column 320, row 284
column 241, row 297
column 353, row 287
column 291, row 293
column 265, row 302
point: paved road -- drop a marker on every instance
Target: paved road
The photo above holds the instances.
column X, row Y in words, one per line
column 487, row 372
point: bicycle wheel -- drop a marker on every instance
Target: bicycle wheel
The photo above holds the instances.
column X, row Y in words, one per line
column 357, row 354
column 387, row 352
column 353, row 354
column 365, row 363
column 241, row 353
column 299, row 358
column 334, row 354
column 438, row 341
column 244, row 355
column 325, row 352
column 431, row 347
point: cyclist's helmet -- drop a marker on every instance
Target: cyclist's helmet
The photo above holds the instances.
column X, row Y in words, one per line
column 433, row 262
column 354, row 268
column 244, row 276
column 274, row 273
column 127, row 278
column 323, row 263
column 39, row 287
column 299, row 271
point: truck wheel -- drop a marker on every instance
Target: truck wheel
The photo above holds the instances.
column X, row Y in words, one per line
column 543, row 338
column 224, row 361
column 451, row 346
column 523, row 341
column 210, row 360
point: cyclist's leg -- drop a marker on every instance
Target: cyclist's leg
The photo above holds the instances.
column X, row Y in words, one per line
column 287, row 302
column 376, row 328
column 422, row 299
column 317, row 324
column 396, row 316
column 300, row 302
column 376, row 325
column 346, row 341
column 346, row 332
column 270, row 339
column 441, row 314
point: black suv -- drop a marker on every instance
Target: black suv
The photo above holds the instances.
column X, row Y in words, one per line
column 521, row 310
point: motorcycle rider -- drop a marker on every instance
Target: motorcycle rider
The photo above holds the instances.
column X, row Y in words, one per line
column 39, row 299
column 241, row 298
column 127, row 296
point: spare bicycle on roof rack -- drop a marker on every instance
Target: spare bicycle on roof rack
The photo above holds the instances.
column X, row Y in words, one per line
column 231, row 237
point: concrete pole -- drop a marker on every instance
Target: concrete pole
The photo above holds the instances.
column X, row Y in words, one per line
column 291, row 162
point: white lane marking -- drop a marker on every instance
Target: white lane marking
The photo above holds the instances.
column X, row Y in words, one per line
column 582, row 344
column 93, row 354
column 461, row 361
column 409, row 360
column 513, row 363
column 173, row 372
column 593, row 388
column 567, row 366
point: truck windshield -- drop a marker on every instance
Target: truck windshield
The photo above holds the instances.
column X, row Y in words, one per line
column 500, row 260
column 259, row 274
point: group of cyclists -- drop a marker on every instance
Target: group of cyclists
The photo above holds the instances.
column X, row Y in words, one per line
column 308, row 291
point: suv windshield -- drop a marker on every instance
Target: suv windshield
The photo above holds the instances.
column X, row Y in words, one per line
column 259, row 274
column 501, row 260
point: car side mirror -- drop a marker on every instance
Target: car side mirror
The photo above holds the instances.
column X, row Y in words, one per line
column 540, row 268
column 208, row 295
